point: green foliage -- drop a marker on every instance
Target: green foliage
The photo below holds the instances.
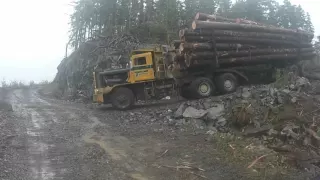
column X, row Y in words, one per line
column 160, row 20
column 317, row 46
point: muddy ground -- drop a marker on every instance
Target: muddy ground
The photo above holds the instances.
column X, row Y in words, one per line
column 44, row 139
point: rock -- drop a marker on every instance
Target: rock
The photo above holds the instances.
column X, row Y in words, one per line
column 212, row 131
column 4, row 106
column 302, row 81
column 191, row 112
column 291, row 86
column 181, row 122
column 167, row 98
column 215, row 112
column 272, row 132
column 206, row 105
column 286, row 91
column 245, row 93
column 257, row 131
column 279, row 98
column 273, row 92
column 221, row 122
column 198, row 123
column 171, row 122
column 179, row 112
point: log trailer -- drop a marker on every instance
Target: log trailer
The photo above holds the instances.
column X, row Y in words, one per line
column 149, row 77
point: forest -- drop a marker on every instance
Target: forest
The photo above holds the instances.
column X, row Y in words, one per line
column 159, row 21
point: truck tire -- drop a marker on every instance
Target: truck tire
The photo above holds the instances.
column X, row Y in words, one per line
column 122, row 98
column 202, row 87
column 227, row 83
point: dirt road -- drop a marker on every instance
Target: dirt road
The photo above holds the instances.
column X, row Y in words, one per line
column 58, row 140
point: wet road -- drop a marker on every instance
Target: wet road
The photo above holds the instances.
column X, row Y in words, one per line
column 55, row 139
column 63, row 141
column 59, row 140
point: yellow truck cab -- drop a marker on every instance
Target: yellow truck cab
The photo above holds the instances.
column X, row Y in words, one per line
column 146, row 77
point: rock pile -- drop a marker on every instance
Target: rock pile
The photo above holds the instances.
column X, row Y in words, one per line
column 285, row 119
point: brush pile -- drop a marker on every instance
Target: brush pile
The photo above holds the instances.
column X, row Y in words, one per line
column 223, row 42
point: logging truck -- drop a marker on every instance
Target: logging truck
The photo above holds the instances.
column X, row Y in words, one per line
column 150, row 77
column 215, row 56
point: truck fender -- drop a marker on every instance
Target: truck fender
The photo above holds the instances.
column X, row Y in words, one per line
column 234, row 72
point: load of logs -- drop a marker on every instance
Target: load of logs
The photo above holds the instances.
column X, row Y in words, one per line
column 233, row 42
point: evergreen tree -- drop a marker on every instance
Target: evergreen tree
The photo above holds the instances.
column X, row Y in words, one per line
column 308, row 26
column 191, row 8
column 223, row 7
column 207, row 6
column 272, row 7
column 160, row 20
column 317, row 46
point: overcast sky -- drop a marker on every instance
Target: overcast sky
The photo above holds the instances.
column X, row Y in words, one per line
column 34, row 34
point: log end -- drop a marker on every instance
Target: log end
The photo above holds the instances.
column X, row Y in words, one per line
column 194, row 25
column 197, row 16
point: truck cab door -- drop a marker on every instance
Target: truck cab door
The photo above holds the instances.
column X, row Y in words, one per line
column 141, row 68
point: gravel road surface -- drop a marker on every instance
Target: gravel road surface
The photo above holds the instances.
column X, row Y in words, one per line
column 51, row 139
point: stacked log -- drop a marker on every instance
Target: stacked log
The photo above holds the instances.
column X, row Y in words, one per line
column 224, row 41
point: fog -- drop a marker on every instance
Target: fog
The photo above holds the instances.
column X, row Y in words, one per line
column 34, row 34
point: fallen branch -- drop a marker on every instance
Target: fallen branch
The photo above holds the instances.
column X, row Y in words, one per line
column 165, row 152
column 199, row 175
column 311, row 112
column 259, row 158
column 184, row 167
column 312, row 133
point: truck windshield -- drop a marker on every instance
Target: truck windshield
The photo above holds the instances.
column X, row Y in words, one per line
column 140, row 61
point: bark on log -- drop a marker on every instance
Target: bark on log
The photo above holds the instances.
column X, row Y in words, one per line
column 263, row 52
column 208, row 17
column 246, row 27
column 277, row 58
column 266, row 58
column 209, row 46
column 199, row 56
column 268, row 42
column 210, row 33
column 205, row 17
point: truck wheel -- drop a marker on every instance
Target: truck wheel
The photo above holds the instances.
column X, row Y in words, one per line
column 122, row 98
column 202, row 87
column 227, row 83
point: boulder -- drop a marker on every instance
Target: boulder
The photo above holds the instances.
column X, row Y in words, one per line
column 191, row 112
column 245, row 93
column 216, row 112
column 180, row 110
column 221, row 122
